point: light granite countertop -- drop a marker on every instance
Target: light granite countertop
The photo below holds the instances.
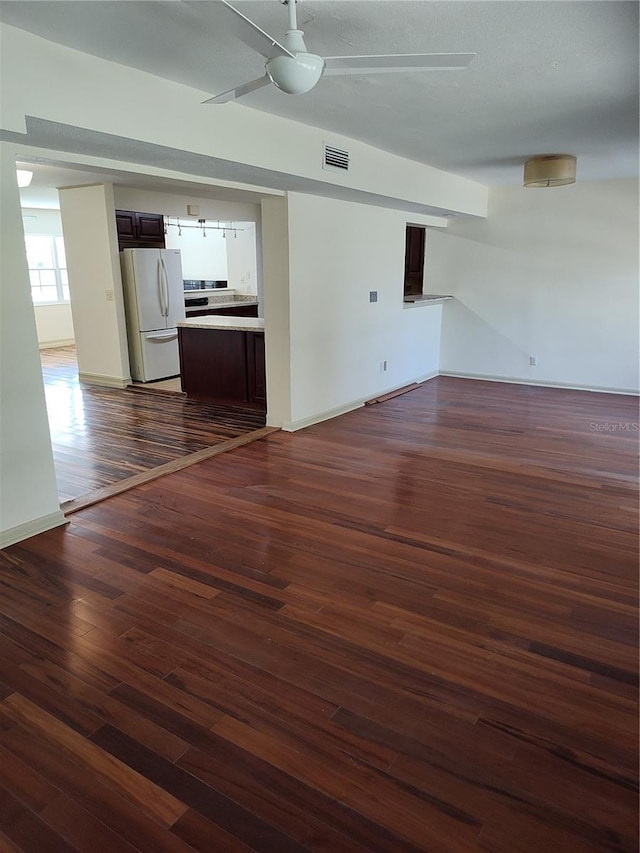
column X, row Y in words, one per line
column 233, row 324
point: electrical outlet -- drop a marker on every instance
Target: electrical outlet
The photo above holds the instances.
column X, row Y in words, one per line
column 533, row 360
column 108, row 295
column 383, row 366
column 373, row 296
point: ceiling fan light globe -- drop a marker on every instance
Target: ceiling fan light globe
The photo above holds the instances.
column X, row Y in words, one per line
column 295, row 76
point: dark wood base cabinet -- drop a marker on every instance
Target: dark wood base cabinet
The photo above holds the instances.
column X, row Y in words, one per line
column 224, row 366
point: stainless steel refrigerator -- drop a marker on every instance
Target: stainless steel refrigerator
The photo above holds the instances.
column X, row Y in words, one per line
column 154, row 303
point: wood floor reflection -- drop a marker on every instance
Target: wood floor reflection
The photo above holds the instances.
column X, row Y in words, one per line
column 102, row 436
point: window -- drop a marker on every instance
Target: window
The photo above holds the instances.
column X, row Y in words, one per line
column 414, row 260
column 47, row 268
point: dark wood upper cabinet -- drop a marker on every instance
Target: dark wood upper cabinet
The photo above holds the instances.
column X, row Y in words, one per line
column 126, row 224
column 140, row 230
column 150, row 227
column 414, row 260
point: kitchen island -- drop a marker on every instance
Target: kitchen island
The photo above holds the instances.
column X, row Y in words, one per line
column 222, row 360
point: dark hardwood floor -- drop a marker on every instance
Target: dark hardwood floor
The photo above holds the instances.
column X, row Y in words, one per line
column 102, row 436
column 411, row 628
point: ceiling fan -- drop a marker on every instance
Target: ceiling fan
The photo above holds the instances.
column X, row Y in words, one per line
column 294, row 70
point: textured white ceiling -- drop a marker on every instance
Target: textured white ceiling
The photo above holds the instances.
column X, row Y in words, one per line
column 548, row 77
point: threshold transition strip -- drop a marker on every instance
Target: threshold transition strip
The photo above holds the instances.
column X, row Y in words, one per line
column 98, row 495
column 384, row 397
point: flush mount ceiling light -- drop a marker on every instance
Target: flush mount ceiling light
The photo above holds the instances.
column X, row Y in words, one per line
column 24, row 177
column 550, row 170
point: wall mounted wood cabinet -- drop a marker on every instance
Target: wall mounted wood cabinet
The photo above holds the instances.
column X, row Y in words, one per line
column 139, row 230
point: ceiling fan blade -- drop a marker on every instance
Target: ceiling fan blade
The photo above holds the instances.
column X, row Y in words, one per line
column 239, row 91
column 252, row 35
column 387, row 63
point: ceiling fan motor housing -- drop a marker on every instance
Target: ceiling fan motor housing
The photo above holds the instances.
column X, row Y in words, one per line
column 295, row 75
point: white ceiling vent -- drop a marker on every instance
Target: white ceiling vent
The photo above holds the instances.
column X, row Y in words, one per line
column 335, row 159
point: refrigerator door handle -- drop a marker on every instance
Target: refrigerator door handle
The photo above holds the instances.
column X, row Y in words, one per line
column 162, row 336
column 165, row 280
column 163, row 310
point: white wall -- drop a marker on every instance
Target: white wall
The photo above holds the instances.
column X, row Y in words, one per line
column 202, row 257
column 277, row 315
column 54, row 323
column 339, row 252
column 28, row 494
column 95, row 284
column 175, row 204
column 552, row 273
column 242, row 258
column 38, row 220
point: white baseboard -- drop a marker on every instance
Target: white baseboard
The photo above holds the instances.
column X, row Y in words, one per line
column 56, row 344
column 293, row 426
column 322, row 416
column 106, row 381
column 347, row 407
column 427, row 377
column 31, row 528
column 512, row 380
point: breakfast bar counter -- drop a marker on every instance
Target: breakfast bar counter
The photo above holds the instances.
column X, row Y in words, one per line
column 222, row 360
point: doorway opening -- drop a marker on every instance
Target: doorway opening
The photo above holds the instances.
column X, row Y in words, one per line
column 103, row 436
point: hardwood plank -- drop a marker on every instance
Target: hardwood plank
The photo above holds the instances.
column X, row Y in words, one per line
column 410, row 628
column 293, row 725
column 99, row 799
column 8, row 846
column 81, row 829
column 103, row 436
column 25, row 784
column 204, row 835
column 204, row 799
column 527, row 834
column 25, row 829
column 181, row 725
column 149, row 797
column 423, row 821
column 108, row 709
column 315, row 820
